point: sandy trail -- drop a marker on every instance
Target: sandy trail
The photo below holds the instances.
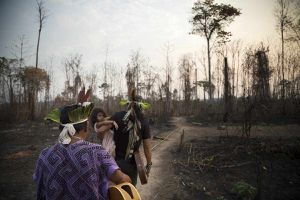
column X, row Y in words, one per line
column 162, row 180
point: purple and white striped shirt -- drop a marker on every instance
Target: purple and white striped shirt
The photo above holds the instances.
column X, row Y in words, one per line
column 78, row 171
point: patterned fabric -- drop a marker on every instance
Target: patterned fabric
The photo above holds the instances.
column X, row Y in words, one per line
column 78, row 171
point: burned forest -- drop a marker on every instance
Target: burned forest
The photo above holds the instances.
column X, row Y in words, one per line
column 219, row 82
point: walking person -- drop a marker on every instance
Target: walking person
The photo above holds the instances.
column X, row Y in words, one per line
column 74, row 168
column 122, row 140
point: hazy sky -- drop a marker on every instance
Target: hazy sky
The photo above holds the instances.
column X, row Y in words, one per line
column 87, row 27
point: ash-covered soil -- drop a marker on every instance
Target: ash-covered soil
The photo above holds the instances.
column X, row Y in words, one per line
column 238, row 168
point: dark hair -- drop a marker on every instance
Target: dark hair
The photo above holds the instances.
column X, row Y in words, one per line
column 93, row 117
column 64, row 118
column 78, row 127
column 64, row 113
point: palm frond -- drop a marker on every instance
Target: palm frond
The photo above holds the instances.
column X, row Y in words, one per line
column 80, row 113
column 123, row 102
column 145, row 105
column 54, row 115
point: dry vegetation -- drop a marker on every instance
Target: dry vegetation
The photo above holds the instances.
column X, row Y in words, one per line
column 229, row 168
column 243, row 84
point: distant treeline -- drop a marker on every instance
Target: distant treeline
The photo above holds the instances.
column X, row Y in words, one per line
column 238, row 83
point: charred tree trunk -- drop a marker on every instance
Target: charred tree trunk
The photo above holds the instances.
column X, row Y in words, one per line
column 209, row 68
column 227, row 96
column 282, row 61
column 11, row 91
column 261, row 85
column 37, row 48
column 31, row 102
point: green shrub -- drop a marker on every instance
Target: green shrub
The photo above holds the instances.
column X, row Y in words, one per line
column 244, row 190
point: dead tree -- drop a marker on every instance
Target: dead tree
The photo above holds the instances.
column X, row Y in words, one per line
column 9, row 77
column 74, row 80
column 130, row 79
column 150, row 79
column 227, row 94
column 185, row 70
column 42, row 15
column 19, row 49
column 248, row 106
column 168, row 80
column 283, row 17
column 137, row 64
column 262, row 74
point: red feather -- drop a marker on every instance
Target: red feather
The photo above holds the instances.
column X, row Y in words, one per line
column 87, row 95
column 81, row 95
column 84, row 96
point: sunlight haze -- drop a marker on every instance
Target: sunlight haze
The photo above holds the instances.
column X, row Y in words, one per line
column 121, row 26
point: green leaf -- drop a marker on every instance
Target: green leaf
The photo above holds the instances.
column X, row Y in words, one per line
column 123, row 102
column 145, row 105
column 54, row 115
column 80, row 113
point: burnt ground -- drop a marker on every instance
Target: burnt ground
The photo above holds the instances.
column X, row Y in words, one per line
column 207, row 167
column 20, row 146
column 263, row 168
column 212, row 165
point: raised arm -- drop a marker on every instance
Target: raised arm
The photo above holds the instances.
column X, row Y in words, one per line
column 106, row 122
column 102, row 130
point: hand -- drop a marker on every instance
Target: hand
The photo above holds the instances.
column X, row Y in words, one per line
column 148, row 168
column 96, row 127
column 115, row 125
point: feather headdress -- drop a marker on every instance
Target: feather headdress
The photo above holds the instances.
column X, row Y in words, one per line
column 74, row 113
column 69, row 115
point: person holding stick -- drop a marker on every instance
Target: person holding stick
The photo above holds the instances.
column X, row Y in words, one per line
column 126, row 144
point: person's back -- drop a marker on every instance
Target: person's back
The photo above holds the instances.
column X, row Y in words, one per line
column 78, row 171
column 121, row 135
column 74, row 168
column 121, row 138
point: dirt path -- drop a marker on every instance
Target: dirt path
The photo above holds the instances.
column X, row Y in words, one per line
column 162, row 180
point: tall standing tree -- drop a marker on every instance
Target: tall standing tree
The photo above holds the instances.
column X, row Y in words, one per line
column 20, row 49
column 137, row 63
column 227, row 92
column 130, row 78
column 74, row 76
column 42, row 15
column 261, row 76
column 293, row 31
column 283, row 22
column 209, row 20
column 185, row 72
column 168, row 75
